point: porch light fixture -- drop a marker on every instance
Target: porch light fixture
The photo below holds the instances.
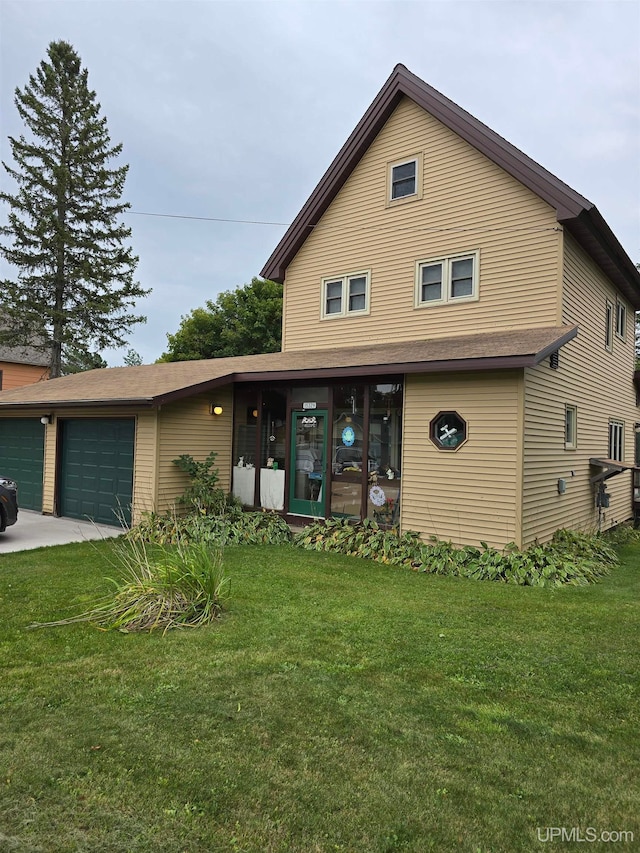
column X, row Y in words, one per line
column 215, row 409
column 46, row 419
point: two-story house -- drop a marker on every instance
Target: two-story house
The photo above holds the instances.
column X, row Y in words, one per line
column 457, row 355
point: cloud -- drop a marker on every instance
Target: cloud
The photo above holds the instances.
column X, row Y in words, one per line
column 235, row 110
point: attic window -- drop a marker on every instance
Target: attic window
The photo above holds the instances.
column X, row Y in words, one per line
column 403, row 179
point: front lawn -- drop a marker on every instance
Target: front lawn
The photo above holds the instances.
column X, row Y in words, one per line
column 339, row 705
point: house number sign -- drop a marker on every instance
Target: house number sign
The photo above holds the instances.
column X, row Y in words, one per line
column 308, row 406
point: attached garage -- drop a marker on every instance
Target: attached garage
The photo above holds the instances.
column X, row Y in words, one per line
column 96, row 468
column 22, row 458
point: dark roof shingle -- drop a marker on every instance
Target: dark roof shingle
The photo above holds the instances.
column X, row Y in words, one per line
column 154, row 384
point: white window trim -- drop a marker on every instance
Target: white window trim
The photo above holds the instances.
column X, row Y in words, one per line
column 391, row 165
column 617, row 426
column 609, row 325
column 345, row 312
column 621, row 311
column 571, row 444
column 447, row 264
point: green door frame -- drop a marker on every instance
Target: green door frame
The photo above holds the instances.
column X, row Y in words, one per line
column 315, row 483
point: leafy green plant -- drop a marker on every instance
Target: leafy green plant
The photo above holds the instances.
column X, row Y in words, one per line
column 203, row 493
column 570, row 558
column 232, row 527
column 159, row 588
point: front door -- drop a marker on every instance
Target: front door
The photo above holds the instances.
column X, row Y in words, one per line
column 308, row 480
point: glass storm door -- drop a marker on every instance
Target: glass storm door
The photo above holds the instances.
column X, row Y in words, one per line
column 308, row 478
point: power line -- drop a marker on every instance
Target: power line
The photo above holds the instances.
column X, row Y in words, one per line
column 207, row 218
column 435, row 229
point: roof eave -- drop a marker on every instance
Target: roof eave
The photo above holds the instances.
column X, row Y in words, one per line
column 47, row 405
column 591, row 231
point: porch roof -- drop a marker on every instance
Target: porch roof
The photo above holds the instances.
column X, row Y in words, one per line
column 155, row 384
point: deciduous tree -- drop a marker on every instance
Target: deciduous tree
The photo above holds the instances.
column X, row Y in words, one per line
column 240, row 322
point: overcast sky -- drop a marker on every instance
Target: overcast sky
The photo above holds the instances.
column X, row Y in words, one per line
column 233, row 110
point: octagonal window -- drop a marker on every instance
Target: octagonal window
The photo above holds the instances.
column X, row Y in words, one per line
column 448, row 430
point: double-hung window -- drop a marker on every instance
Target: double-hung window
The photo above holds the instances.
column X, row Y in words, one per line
column 404, row 182
column 621, row 320
column 345, row 295
column 447, row 280
column 616, row 441
column 404, row 179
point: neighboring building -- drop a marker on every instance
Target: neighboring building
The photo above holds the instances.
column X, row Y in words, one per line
column 21, row 366
column 458, row 356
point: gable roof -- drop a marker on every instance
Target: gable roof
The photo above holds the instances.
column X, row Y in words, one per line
column 576, row 213
column 24, row 355
column 156, row 384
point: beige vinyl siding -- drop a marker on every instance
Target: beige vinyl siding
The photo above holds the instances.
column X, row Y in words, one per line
column 145, row 471
column 16, row 375
column 600, row 384
column 468, row 203
column 188, row 427
column 49, row 470
column 469, row 495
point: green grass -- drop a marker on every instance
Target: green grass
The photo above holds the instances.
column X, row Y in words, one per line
column 338, row 705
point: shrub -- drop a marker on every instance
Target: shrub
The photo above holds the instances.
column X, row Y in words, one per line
column 202, row 494
column 570, row 558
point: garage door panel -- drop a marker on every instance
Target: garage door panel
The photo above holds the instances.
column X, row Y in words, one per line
column 22, row 457
column 96, row 476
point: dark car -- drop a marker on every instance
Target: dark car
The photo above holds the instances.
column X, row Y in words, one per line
column 8, row 503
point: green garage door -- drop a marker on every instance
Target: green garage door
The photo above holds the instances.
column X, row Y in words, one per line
column 96, row 469
column 22, row 458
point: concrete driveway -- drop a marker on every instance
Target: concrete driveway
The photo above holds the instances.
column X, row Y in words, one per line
column 33, row 530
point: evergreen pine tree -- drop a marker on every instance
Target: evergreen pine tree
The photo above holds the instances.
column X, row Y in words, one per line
column 75, row 286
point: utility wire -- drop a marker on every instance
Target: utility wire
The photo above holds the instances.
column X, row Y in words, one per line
column 206, row 218
column 454, row 228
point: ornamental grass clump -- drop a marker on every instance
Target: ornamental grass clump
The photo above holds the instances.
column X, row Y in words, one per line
column 159, row 588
